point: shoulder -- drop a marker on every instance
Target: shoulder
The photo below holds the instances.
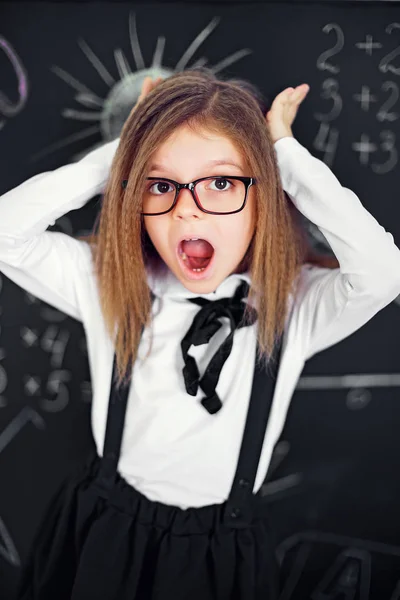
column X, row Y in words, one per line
column 309, row 275
column 309, row 280
column 85, row 254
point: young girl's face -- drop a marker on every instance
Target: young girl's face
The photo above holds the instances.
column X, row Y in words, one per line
column 219, row 242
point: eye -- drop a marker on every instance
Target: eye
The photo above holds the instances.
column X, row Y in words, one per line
column 160, row 187
column 222, row 184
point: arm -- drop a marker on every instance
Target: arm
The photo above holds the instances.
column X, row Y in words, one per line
column 334, row 303
column 50, row 264
column 42, row 262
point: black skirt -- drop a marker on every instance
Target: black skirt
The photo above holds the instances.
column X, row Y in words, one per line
column 104, row 540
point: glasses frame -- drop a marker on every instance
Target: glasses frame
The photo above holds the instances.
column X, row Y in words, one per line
column 248, row 181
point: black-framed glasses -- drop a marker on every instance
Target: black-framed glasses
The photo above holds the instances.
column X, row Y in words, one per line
column 215, row 195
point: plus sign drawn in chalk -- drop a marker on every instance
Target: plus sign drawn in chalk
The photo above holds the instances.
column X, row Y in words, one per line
column 368, row 45
column 365, row 148
column 365, row 98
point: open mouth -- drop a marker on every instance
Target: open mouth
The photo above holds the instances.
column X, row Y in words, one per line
column 196, row 256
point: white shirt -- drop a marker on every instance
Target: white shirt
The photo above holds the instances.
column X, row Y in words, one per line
column 173, row 450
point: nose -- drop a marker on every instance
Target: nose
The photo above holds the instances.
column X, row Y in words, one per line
column 186, row 207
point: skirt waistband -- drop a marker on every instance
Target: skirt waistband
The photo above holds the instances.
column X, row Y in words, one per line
column 193, row 520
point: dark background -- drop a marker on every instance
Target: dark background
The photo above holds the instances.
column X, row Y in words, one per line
column 333, row 485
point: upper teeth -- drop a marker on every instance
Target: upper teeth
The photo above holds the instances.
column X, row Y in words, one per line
column 191, row 239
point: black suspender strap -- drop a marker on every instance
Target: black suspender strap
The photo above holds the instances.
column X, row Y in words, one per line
column 239, row 508
column 113, row 435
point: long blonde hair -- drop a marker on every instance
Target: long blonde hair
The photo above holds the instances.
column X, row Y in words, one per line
column 122, row 252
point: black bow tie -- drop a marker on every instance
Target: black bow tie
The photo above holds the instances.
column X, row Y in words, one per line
column 205, row 325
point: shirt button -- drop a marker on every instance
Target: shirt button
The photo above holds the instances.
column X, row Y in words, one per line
column 235, row 513
column 244, row 483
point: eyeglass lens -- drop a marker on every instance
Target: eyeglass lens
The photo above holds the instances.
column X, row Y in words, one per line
column 215, row 194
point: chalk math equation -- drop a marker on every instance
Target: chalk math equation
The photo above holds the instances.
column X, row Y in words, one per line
column 379, row 101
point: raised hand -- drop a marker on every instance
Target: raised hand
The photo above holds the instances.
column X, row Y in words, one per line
column 283, row 111
column 148, row 85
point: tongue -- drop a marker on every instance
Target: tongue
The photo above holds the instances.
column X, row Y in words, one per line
column 198, row 252
column 198, row 249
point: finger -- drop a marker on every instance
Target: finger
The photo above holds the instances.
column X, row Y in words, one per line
column 147, row 85
column 300, row 92
column 295, row 100
column 290, row 93
column 282, row 99
column 303, row 89
column 146, row 82
column 145, row 88
column 156, row 82
column 285, row 94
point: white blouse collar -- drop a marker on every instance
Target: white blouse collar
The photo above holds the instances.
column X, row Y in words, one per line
column 167, row 285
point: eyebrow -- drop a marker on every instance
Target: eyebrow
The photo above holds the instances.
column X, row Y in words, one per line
column 211, row 163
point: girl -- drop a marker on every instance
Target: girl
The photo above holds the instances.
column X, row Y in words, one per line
column 200, row 310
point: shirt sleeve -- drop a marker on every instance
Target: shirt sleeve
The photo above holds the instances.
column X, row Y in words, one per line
column 44, row 263
column 334, row 303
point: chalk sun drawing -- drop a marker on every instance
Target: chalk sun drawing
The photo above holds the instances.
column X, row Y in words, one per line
column 110, row 113
column 8, row 108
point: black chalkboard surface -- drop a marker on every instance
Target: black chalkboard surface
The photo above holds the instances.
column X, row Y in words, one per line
column 69, row 73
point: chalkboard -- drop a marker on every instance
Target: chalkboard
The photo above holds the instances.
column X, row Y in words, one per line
column 69, row 74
